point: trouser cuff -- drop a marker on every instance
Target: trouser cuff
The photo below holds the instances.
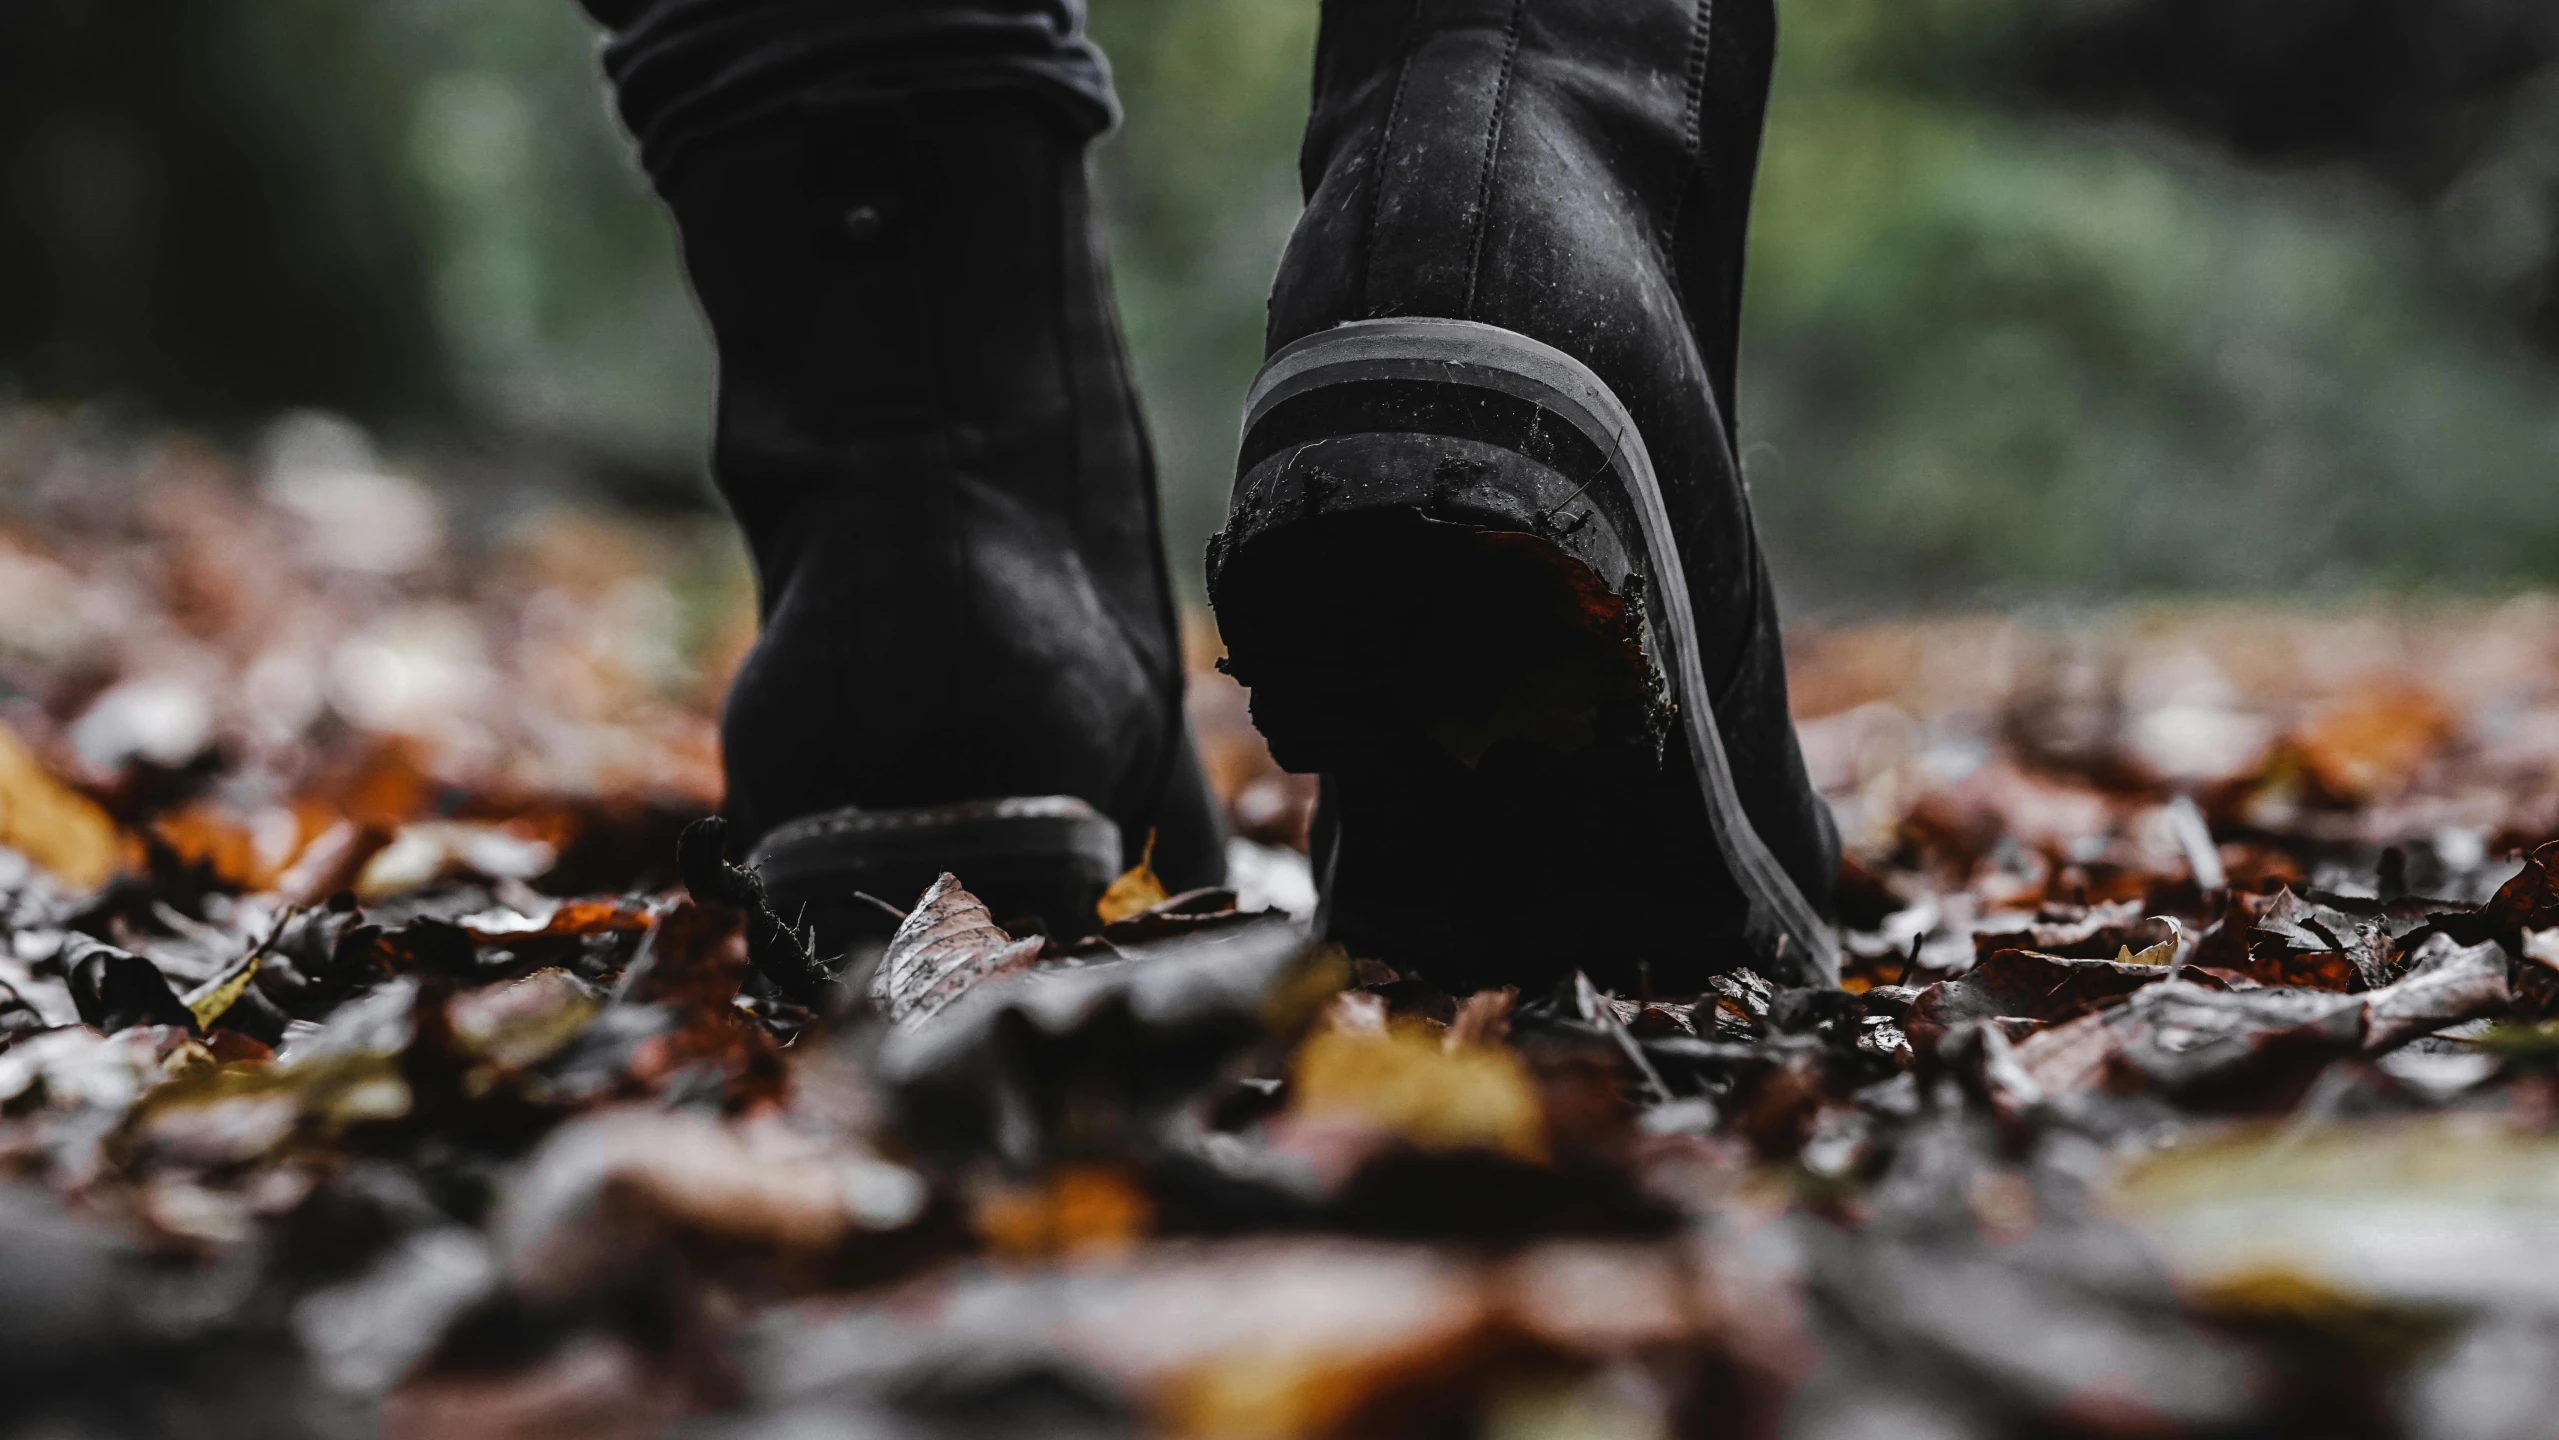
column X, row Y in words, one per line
column 682, row 69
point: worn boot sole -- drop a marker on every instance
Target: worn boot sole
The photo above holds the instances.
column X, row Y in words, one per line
column 1449, row 580
column 1039, row 862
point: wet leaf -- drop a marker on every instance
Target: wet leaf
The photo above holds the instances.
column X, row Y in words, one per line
column 117, row 991
column 2445, row 985
column 2529, row 901
column 2022, row 985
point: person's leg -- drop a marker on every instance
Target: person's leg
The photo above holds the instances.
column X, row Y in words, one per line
column 684, row 69
column 926, row 430
column 1490, row 565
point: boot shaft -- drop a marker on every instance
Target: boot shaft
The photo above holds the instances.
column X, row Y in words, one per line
column 910, row 290
column 1437, row 122
column 1576, row 173
column 927, row 432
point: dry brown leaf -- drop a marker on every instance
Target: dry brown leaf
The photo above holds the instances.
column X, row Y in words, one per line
column 2162, row 954
column 202, row 835
column 570, row 1219
column 2371, row 741
column 330, row 862
column 2446, row 985
column 947, row 944
column 1483, row 1018
column 523, row 1024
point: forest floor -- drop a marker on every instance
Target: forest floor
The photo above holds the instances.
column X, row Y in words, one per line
column 368, row 1059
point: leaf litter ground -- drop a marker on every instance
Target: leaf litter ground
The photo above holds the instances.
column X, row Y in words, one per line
column 381, row 1052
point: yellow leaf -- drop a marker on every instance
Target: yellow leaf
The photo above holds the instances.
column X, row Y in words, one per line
column 52, row 824
column 214, row 999
column 1407, row 1082
column 2162, row 954
column 1136, row 892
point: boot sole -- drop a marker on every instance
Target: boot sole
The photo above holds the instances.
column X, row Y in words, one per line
column 1450, row 582
column 1039, row 862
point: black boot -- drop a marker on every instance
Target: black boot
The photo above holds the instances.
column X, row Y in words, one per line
column 926, row 429
column 1490, row 567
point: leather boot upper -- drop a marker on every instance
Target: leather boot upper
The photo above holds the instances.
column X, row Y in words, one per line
column 927, row 433
column 1578, row 171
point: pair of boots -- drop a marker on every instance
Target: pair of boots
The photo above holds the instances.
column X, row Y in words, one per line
column 1489, row 567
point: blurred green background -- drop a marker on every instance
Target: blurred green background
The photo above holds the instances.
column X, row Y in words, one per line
column 2089, row 298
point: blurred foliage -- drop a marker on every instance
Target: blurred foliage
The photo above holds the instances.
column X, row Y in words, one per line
column 1993, row 346
column 198, row 210
column 556, row 277
column 1201, row 184
column 2021, row 321
column 421, row 214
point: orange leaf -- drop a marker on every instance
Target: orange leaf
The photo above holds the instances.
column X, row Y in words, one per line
column 52, row 824
column 2371, row 741
column 1136, row 892
column 1082, row 1209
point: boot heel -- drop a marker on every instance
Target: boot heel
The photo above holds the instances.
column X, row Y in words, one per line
column 1450, row 582
column 1047, row 857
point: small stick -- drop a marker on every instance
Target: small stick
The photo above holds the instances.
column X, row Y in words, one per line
column 894, row 913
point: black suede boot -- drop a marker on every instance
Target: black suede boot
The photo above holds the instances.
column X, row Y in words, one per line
column 926, row 429
column 1490, row 567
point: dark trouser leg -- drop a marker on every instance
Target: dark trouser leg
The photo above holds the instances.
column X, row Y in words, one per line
column 684, row 68
column 927, row 432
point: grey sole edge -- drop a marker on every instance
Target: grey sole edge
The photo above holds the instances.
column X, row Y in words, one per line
column 1020, row 852
column 1787, row 938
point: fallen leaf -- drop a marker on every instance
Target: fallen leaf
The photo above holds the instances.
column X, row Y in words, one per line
column 2372, row 739
column 331, row 862
column 1483, row 1018
column 1080, row 1210
column 2242, row 1049
column 2529, row 901
column 2446, row 985
column 947, row 944
column 52, row 824
column 2162, row 954
column 2438, row 1212
column 603, row 1186
column 212, row 1000
column 2023, row 985
column 1136, row 892
column 117, row 990
column 525, row 1023
column 1406, row 1083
